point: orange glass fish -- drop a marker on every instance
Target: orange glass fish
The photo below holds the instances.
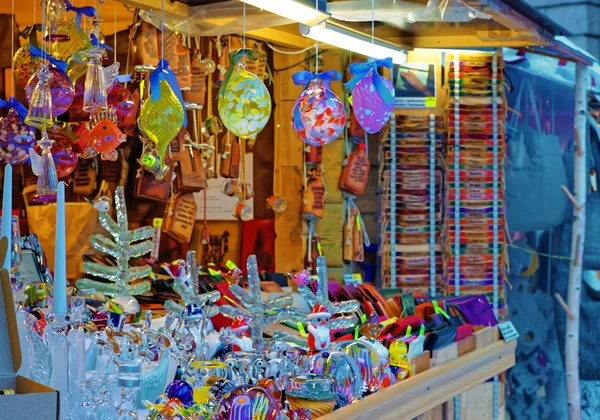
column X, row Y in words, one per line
column 104, row 138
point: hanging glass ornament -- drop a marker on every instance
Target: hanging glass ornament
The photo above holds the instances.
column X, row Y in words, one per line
column 123, row 104
column 244, row 102
column 97, row 78
column 61, row 89
column 74, row 51
column 372, row 95
column 15, row 136
column 40, row 104
column 43, row 167
column 162, row 115
column 64, row 157
column 318, row 116
column 248, row 402
column 25, row 64
column 56, row 15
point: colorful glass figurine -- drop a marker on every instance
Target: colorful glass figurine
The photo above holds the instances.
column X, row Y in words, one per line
column 399, row 364
column 319, row 336
column 43, row 167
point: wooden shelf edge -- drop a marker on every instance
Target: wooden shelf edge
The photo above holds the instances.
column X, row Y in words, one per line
column 416, row 395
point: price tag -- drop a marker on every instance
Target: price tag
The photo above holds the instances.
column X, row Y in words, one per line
column 355, row 279
column 157, row 223
column 508, row 331
column 415, row 348
column 430, row 102
column 230, row 265
column 148, row 160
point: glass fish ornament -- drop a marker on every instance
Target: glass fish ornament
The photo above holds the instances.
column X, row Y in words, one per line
column 56, row 15
column 15, row 136
column 372, row 95
column 244, row 103
column 162, row 119
column 318, row 116
column 61, row 89
column 40, row 104
column 97, row 80
column 43, row 167
column 105, row 137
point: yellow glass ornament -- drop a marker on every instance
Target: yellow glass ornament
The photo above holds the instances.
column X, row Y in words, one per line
column 78, row 40
column 162, row 119
column 25, row 65
column 245, row 104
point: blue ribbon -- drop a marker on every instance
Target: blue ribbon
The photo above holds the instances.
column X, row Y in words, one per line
column 36, row 52
column 234, row 58
column 98, row 44
column 89, row 11
column 16, row 105
column 361, row 70
column 304, row 76
column 163, row 72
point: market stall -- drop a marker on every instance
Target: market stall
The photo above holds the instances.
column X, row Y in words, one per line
column 226, row 171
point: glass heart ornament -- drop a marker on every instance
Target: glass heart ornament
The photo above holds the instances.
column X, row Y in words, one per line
column 61, row 89
column 318, row 116
column 16, row 137
column 162, row 115
column 372, row 95
column 244, row 103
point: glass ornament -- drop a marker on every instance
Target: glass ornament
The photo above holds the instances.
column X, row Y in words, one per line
column 244, row 103
column 40, row 104
column 104, row 139
column 313, row 392
column 97, row 80
column 43, row 167
column 247, row 402
column 343, row 368
column 162, row 119
column 61, row 89
column 122, row 101
column 76, row 112
column 277, row 203
column 74, row 51
column 318, row 116
column 64, row 157
column 16, row 138
column 182, row 391
column 370, row 109
column 25, row 65
column 368, row 360
column 56, row 15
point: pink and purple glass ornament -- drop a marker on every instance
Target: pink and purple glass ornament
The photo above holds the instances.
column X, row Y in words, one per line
column 65, row 159
column 318, row 116
column 372, row 95
column 61, row 89
column 16, row 137
column 123, row 103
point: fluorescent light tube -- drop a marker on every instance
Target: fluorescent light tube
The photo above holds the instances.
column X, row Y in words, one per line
column 295, row 10
column 337, row 36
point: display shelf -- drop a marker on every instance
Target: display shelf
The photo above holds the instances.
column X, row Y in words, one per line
column 421, row 393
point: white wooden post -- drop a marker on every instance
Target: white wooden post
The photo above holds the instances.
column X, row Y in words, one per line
column 577, row 245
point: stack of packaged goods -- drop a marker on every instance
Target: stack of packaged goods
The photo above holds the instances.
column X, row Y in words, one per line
column 409, row 233
column 474, row 177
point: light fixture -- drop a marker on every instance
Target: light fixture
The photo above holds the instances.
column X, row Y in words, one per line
column 346, row 39
column 300, row 11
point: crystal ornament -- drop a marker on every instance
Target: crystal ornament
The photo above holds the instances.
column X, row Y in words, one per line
column 336, row 309
column 257, row 313
column 61, row 89
column 56, row 15
column 97, row 80
column 44, row 168
column 126, row 244
column 40, row 105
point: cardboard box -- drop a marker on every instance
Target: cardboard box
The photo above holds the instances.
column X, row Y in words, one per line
column 31, row 399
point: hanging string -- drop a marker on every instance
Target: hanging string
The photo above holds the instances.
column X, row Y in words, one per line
column 317, row 43
column 372, row 27
column 162, row 40
column 12, row 46
column 115, row 29
column 243, row 35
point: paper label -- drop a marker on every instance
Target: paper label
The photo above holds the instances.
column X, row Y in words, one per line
column 355, row 278
column 148, row 160
column 430, row 102
column 508, row 331
column 157, row 223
